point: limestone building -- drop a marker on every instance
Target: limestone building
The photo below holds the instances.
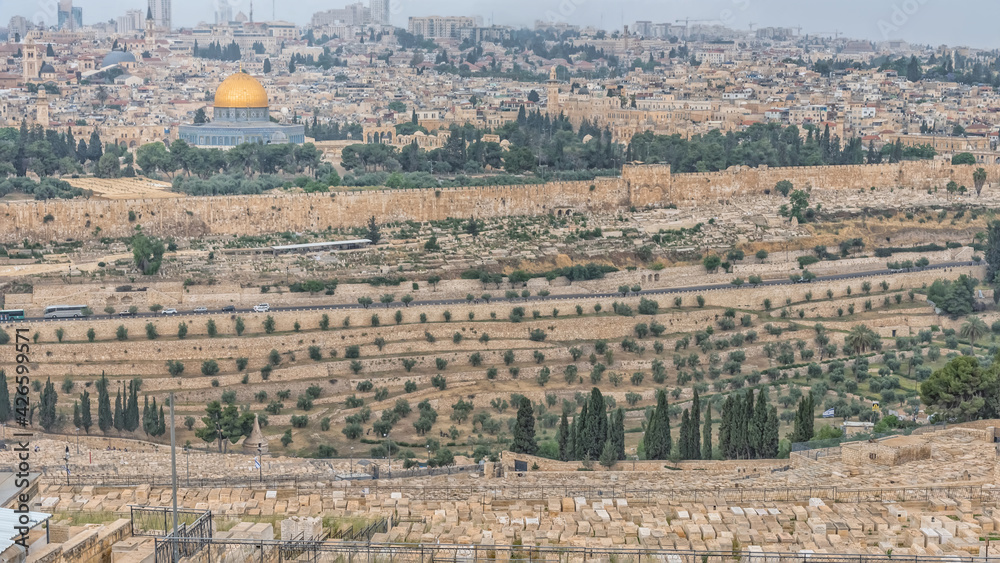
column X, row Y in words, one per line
column 241, row 115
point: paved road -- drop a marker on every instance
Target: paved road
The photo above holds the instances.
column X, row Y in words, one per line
column 532, row 299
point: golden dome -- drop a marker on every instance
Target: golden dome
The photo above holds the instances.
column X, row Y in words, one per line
column 240, row 90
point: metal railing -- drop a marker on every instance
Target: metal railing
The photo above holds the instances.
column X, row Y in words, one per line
column 238, row 551
column 158, row 520
column 380, row 526
column 750, row 493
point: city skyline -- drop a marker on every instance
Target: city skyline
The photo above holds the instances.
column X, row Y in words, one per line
column 915, row 21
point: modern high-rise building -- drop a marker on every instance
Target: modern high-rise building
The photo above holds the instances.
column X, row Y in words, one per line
column 18, row 28
column 380, row 12
column 129, row 23
column 438, row 27
column 69, row 17
column 223, row 12
column 162, row 15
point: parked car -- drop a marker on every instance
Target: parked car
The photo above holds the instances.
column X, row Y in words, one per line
column 170, row 311
column 229, row 309
column 261, row 308
column 125, row 313
column 201, row 309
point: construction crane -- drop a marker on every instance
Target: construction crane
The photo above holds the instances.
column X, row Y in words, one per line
column 687, row 25
column 751, row 26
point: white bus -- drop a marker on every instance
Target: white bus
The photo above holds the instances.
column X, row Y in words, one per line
column 64, row 311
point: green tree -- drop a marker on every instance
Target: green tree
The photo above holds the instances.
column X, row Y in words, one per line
column 973, row 329
column 47, row 416
column 104, row 415
column 657, row 442
column 563, row 438
column 706, row 444
column 962, row 390
column 979, row 180
column 524, row 429
column 804, row 420
column 147, row 253
column 86, row 421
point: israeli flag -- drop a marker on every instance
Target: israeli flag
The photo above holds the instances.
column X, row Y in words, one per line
column 828, row 413
column 256, row 463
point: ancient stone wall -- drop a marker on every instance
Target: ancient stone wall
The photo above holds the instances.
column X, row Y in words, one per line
column 83, row 219
column 739, row 180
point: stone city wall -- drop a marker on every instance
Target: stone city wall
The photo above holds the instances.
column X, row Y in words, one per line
column 741, row 180
column 83, row 219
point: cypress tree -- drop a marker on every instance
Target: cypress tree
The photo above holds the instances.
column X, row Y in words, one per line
column 5, row 410
column 597, row 426
column 47, row 406
column 119, row 414
column 695, row 446
column 524, row 430
column 802, row 431
column 746, row 449
column 145, row 415
column 657, row 441
column 579, row 432
column 571, row 441
column 563, row 437
column 616, row 430
column 132, row 413
column 77, row 421
column 758, row 427
column 810, row 420
column 706, row 442
column 771, row 434
column 161, row 427
column 85, row 420
column 104, row 419
column 725, row 427
column 684, row 440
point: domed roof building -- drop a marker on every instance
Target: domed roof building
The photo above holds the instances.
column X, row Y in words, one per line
column 240, row 116
column 116, row 57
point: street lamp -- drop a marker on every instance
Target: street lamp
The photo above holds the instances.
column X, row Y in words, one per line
column 187, row 452
column 352, row 461
column 260, row 462
column 77, row 441
column 67, row 465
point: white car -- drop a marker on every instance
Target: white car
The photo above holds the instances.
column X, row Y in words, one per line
column 201, row 309
column 261, row 308
column 170, row 311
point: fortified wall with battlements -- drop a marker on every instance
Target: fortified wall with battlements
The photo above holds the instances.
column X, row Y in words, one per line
column 638, row 186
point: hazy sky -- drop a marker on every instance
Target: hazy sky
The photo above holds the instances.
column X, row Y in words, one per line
column 956, row 22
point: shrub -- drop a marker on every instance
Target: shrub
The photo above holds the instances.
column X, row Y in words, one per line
column 209, row 367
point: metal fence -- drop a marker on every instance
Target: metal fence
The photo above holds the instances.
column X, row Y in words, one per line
column 731, row 495
column 158, row 520
column 380, row 526
column 238, row 551
column 196, row 536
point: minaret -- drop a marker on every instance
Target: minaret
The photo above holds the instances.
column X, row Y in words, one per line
column 30, row 62
column 552, row 104
column 251, row 11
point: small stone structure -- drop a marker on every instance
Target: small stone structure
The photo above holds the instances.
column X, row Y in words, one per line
column 889, row 451
column 255, row 439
